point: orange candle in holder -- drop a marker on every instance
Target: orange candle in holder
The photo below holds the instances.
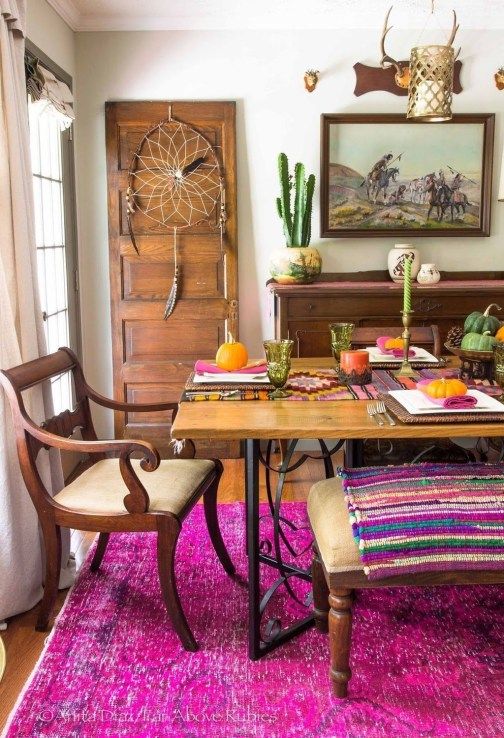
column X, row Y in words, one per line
column 354, row 367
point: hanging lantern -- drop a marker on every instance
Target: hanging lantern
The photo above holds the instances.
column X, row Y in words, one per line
column 430, row 89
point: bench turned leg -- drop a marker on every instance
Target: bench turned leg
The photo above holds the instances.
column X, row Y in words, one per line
column 320, row 594
column 340, row 631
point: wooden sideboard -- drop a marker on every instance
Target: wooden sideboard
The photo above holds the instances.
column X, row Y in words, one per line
column 303, row 312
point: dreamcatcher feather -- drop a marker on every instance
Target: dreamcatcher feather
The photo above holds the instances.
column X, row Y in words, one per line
column 175, row 180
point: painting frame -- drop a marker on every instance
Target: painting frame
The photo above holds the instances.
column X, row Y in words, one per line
column 365, row 122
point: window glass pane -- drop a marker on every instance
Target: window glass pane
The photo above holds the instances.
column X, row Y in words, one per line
column 45, row 144
column 57, row 212
column 39, row 223
column 60, row 269
column 41, row 264
column 51, row 281
column 47, row 212
column 34, row 142
column 55, row 147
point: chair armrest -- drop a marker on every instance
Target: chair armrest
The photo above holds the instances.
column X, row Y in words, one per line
column 130, row 406
column 137, row 501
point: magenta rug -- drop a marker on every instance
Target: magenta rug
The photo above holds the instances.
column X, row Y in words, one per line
column 427, row 662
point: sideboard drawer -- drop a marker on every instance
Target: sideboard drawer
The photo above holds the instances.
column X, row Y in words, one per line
column 344, row 306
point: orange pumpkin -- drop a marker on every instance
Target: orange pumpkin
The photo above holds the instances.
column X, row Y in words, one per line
column 394, row 343
column 441, row 388
column 500, row 334
column 231, row 355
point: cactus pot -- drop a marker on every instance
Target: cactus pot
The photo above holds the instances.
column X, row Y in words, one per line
column 295, row 264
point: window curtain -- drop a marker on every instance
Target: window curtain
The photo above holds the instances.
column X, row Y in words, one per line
column 48, row 93
column 21, row 331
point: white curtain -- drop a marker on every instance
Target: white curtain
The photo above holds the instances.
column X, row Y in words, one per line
column 21, row 330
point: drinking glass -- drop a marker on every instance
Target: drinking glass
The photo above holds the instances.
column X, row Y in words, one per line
column 341, row 339
column 278, row 353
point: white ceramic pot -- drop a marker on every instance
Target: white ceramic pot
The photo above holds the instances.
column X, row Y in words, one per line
column 397, row 257
column 295, row 264
column 428, row 274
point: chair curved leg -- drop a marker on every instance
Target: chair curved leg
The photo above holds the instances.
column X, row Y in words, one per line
column 212, row 521
column 52, row 544
column 320, row 594
column 340, row 632
column 101, row 546
column 168, row 532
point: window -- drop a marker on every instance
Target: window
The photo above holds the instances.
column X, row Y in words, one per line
column 54, row 232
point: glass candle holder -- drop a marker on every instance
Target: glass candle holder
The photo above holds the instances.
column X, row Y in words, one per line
column 341, row 339
column 278, row 362
column 354, row 367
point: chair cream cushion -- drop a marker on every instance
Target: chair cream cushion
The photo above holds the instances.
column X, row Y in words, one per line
column 328, row 513
column 100, row 490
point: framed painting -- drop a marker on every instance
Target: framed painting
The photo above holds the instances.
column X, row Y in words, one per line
column 385, row 175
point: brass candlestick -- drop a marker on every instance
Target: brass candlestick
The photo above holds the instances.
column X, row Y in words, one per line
column 406, row 369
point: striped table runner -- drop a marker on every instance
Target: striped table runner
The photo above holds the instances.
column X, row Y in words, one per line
column 427, row 517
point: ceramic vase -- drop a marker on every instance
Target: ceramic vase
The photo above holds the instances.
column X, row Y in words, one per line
column 295, row 264
column 397, row 257
column 428, row 274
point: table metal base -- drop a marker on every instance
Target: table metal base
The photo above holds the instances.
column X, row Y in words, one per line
column 274, row 635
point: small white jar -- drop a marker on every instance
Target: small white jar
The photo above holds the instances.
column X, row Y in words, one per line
column 428, row 274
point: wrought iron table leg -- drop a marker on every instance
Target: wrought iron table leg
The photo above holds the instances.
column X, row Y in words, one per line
column 258, row 647
column 354, row 453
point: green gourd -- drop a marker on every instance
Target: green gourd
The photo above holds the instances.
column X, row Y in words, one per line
column 478, row 342
column 482, row 322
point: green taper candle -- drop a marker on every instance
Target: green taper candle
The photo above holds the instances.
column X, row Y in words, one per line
column 407, row 285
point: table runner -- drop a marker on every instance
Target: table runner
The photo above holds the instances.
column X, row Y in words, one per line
column 427, row 517
column 309, row 385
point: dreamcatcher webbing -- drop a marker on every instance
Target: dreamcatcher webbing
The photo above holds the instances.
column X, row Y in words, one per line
column 175, row 180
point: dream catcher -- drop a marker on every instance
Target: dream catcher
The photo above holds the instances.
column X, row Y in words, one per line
column 175, row 180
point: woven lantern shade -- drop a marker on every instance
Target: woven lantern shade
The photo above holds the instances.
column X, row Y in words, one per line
column 431, row 85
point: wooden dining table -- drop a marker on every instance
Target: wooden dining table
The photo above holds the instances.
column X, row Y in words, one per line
column 253, row 421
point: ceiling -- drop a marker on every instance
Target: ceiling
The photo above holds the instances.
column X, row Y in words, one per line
column 149, row 15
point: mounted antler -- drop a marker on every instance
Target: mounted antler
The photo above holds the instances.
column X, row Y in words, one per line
column 453, row 34
column 387, row 60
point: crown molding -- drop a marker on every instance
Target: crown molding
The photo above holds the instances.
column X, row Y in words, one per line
column 68, row 11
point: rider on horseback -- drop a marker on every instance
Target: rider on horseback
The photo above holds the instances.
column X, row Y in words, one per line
column 380, row 166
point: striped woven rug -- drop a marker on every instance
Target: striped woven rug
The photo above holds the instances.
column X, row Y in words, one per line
column 427, row 517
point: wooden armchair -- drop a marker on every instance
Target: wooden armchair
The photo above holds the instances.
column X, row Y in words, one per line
column 113, row 492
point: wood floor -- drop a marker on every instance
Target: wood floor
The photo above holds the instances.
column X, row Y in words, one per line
column 24, row 645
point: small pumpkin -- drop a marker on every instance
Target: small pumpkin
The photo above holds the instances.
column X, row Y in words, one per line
column 394, row 343
column 389, row 343
column 482, row 322
column 231, row 355
column 478, row 342
column 499, row 336
column 441, row 388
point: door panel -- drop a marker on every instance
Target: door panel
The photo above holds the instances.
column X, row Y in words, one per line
column 153, row 357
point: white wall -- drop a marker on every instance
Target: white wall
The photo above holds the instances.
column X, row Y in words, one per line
column 51, row 34
column 263, row 72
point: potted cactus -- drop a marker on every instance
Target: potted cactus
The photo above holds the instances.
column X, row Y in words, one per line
column 297, row 262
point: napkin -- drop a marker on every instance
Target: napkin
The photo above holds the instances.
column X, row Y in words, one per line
column 460, row 402
column 206, row 367
column 399, row 353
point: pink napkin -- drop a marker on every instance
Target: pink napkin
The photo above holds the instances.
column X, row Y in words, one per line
column 382, row 340
column 460, row 402
column 399, row 353
column 206, row 367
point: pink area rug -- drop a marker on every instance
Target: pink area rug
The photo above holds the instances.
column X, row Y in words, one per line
column 427, row 662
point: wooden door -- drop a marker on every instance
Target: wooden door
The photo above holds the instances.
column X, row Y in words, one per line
column 153, row 357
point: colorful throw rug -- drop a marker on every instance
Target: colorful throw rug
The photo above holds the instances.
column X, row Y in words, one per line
column 427, row 517
column 426, row 662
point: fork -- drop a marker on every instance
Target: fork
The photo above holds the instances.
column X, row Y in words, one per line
column 373, row 413
column 382, row 410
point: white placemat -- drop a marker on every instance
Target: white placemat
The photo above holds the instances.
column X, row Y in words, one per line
column 229, row 377
column 416, row 403
column 421, row 354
